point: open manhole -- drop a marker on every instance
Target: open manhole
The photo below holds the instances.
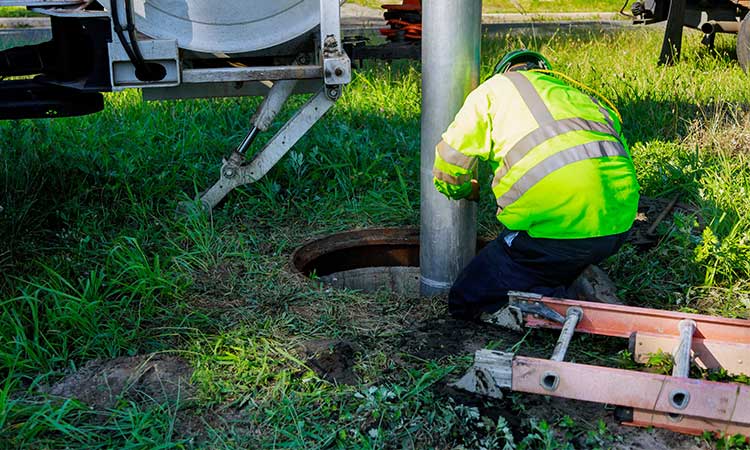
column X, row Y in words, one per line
column 367, row 260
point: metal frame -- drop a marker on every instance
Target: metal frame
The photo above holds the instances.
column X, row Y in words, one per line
column 234, row 171
column 674, row 402
column 717, row 342
column 334, row 71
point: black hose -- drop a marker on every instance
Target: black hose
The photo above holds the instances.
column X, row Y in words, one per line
column 131, row 33
column 143, row 70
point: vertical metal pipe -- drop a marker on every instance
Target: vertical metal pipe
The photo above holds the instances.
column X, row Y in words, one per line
column 572, row 317
column 682, row 354
column 450, row 70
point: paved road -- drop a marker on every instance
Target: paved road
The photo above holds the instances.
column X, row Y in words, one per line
column 359, row 19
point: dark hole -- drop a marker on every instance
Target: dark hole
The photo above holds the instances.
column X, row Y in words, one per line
column 549, row 381
column 679, row 399
column 384, row 247
column 151, row 72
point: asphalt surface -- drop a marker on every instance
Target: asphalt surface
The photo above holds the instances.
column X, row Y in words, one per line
column 356, row 19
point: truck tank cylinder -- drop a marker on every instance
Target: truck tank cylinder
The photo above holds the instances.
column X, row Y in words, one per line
column 226, row 26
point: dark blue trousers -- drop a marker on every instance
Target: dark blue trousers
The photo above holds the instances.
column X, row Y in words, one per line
column 541, row 266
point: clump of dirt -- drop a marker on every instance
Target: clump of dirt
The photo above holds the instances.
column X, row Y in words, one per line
column 146, row 378
column 441, row 337
column 331, row 360
column 650, row 212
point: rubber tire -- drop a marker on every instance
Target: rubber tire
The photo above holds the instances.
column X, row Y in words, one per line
column 743, row 44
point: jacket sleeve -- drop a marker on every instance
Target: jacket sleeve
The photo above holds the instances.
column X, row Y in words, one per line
column 467, row 139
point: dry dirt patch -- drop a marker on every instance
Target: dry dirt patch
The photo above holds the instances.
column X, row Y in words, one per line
column 146, row 378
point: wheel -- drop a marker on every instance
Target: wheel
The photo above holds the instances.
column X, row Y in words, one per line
column 743, row 43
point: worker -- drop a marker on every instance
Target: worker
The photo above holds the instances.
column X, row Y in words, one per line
column 563, row 179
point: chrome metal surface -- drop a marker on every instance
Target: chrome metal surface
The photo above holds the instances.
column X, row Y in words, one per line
column 226, row 26
column 572, row 317
column 450, row 70
column 267, row 73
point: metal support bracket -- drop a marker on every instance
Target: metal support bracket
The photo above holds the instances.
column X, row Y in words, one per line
column 519, row 305
column 672, row 44
column 492, row 371
column 235, row 173
column 337, row 68
column 336, row 71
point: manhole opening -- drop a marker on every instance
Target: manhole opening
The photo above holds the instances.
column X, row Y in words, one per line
column 366, row 260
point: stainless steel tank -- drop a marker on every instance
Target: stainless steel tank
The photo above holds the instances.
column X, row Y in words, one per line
column 226, row 26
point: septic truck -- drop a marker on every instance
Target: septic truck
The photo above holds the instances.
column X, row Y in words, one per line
column 183, row 49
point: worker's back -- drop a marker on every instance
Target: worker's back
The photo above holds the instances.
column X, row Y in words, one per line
column 562, row 169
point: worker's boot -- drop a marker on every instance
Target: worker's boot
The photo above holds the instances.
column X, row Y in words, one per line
column 594, row 285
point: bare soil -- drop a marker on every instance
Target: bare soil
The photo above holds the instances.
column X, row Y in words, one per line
column 147, row 378
column 331, row 360
column 445, row 336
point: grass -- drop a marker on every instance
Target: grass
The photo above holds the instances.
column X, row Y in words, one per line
column 95, row 264
column 16, row 11
column 527, row 6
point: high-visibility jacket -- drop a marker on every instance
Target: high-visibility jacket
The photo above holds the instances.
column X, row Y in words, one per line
column 562, row 169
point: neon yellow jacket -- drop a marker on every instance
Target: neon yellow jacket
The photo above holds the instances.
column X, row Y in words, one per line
column 561, row 167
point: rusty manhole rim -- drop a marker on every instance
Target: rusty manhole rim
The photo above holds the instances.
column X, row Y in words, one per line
column 378, row 247
column 402, row 245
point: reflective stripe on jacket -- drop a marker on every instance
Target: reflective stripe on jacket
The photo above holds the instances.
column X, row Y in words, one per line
column 561, row 166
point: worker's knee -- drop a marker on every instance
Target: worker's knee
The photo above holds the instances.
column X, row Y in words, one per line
column 459, row 305
column 468, row 301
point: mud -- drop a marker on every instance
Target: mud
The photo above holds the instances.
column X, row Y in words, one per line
column 441, row 337
column 146, row 378
column 331, row 360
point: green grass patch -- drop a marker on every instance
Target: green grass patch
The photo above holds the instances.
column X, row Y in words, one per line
column 17, row 11
column 94, row 264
